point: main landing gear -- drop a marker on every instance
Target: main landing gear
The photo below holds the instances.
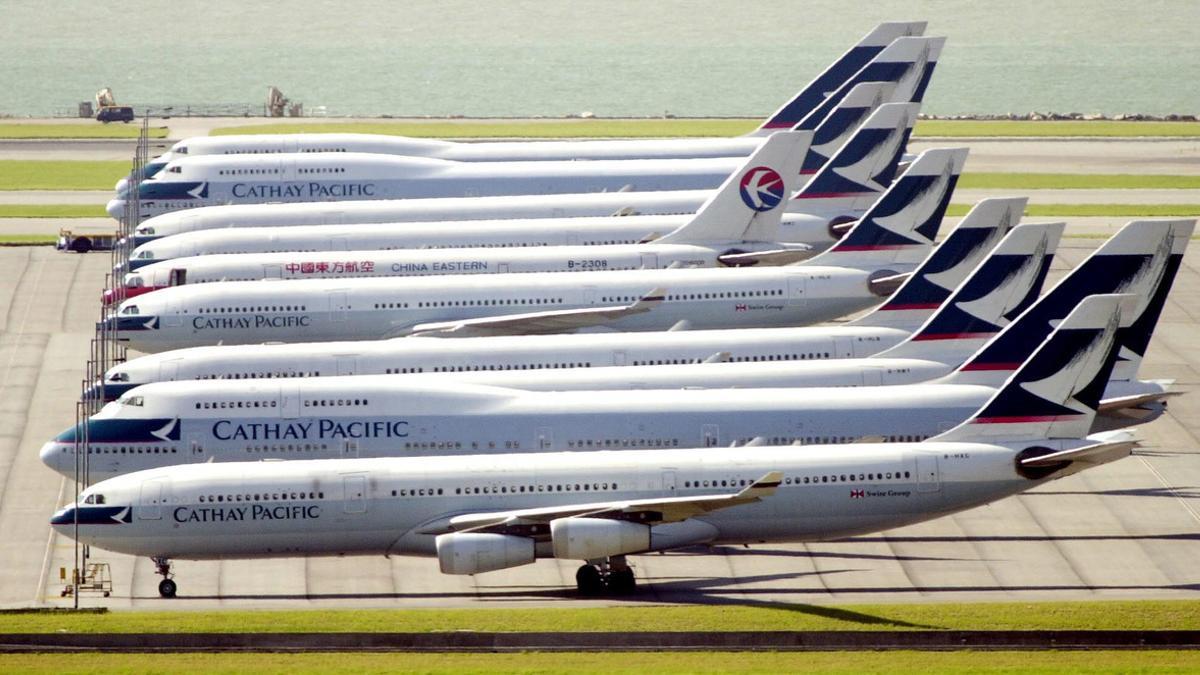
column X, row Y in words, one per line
column 607, row 576
column 166, row 587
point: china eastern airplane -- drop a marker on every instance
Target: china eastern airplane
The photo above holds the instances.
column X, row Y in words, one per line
column 885, row 326
column 739, row 225
column 788, row 116
column 488, row 512
column 859, row 271
column 855, row 176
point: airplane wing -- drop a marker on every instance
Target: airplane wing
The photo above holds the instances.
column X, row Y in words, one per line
column 532, row 323
column 649, row 511
column 782, row 256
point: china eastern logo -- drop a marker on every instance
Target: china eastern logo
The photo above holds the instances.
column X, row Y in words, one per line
column 762, row 188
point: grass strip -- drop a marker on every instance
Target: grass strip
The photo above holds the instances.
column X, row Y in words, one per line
column 1097, row 210
column 27, row 239
column 1051, row 661
column 52, row 211
column 1107, row 615
column 19, row 130
column 684, row 128
column 20, row 174
column 1077, row 181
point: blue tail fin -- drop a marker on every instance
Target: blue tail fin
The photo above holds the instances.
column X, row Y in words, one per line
column 752, row 198
column 1000, row 288
column 899, row 229
column 837, row 74
column 1056, row 391
column 862, row 169
column 909, row 62
column 1137, row 260
column 846, row 118
column 949, row 265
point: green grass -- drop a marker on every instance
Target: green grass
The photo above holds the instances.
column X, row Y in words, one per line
column 1131, row 615
column 52, row 211
column 87, row 130
column 1100, row 210
column 1078, row 181
column 615, row 662
column 17, row 174
column 27, row 239
column 602, row 128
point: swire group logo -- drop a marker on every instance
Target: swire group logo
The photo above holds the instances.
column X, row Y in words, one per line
column 740, row 308
column 762, row 188
column 857, row 494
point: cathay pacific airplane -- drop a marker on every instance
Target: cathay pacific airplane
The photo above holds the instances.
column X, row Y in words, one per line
column 856, row 273
column 739, row 225
column 386, row 416
column 853, row 178
column 883, row 327
column 789, row 115
column 482, row 513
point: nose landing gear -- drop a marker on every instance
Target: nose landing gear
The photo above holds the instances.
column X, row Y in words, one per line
column 166, row 587
column 607, row 576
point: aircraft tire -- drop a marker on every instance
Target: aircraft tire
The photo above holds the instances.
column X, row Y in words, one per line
column 622, row 582
column 167, row 588
column 589, row 581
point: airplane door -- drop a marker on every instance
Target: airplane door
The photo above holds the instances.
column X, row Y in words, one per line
column 545, row 438
column 796, row 284
column 347, row 364
column 572, row 239
column 337, row 306
column 171, row 316
column 872, row 377
column 272, row 271
column 502, row 268
column 177, row 277
column 289, row 401
column 195, row 447
column 589, row 295
column 619, row 357
column 649, row 261
column 350, row 449
column 711, row 433
column 151, row 500
column 354, row 494
column 843, row 348
column 929, row 478
column 339, row 244
column 668, row 480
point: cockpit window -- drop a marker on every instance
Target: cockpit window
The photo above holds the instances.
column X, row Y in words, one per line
column 181, row 150
column 146, row 255
column 118, row 377
column 175, row 169
column 130, row 310
column 94, row 499
column 134, row 282
column 136, row 401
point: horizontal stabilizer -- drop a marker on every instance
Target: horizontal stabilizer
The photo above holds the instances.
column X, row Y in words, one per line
column 1120, row 403
column 533, row 323
column 774, row 257
column 1098, row 453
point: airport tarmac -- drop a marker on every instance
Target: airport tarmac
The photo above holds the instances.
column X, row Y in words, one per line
column 1130, row 529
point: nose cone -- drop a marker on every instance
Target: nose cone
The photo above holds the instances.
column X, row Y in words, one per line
column 115, row 207
column 122, row 186
column 53, row 455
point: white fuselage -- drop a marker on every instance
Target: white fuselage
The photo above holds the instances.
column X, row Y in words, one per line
column 318, row 310
column 389, row 416
column 499, row 353
column 507, row 233
column 384, row 506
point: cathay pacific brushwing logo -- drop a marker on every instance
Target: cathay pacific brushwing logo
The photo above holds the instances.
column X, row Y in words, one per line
column 168, row 432
column 123, row 516
column 762, row 188
column 200, row 191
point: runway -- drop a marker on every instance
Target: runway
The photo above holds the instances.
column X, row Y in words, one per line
column 1130, row 529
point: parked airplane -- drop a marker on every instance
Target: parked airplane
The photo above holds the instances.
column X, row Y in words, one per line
column 865, row 266
column 883, row 327
column 381, row 416
column 788, row 116
column 856, row 175
column 739, row 225
column 484, row 513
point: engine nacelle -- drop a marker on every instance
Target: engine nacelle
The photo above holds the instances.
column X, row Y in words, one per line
column 473, row 553
column 591, row 538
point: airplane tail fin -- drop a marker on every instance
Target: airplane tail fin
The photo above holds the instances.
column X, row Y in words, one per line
column 1001, row 287
column 1140, row 260
column 750, row 203
column 909, row 62
column 833, row 132
column 833, row 77
column 899, row 229
column 863, row 168
column 977, row 234
column 1056, row 391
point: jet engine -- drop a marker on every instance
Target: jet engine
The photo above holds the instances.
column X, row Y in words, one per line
column 473, row 553
column 592, row 538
